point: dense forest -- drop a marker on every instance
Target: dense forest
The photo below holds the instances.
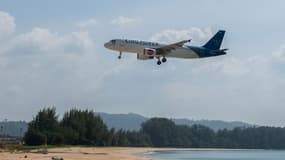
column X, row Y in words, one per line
column 82, row 127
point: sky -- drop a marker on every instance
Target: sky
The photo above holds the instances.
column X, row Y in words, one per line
column 52, row 54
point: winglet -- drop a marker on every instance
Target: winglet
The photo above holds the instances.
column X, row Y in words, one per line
column 185, row 41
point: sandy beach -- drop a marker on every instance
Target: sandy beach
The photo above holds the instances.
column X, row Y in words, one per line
column 91, row 153
column 80, row 153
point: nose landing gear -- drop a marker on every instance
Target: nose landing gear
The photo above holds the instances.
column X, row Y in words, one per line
column 120, row 55
column 158, row 61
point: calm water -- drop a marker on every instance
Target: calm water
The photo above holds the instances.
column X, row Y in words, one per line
column 218, row 155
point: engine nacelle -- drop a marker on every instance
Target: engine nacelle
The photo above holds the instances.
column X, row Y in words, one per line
column 150, row 52
column 143, row 57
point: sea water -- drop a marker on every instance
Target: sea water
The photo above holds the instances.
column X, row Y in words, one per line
column 218, row 155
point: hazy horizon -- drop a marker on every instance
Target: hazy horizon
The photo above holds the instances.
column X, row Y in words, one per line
column 52, row 54
column 60, row 115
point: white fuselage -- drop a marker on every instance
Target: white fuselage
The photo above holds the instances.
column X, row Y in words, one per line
column 134, row 46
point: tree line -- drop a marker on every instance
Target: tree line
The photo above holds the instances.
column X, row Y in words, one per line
column 82, row 127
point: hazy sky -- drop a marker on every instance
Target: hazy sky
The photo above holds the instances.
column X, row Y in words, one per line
column 52, row 54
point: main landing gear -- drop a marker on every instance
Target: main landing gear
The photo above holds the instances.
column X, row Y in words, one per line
column 163, row 60
column 158, row 62
column 120, row 55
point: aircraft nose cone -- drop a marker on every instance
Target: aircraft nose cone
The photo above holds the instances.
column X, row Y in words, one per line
column 106, row 45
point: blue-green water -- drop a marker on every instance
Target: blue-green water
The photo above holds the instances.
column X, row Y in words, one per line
column 218, row 155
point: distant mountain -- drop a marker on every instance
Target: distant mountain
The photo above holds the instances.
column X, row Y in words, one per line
column 213, row 124
column 133, row 121
column 129, row 121
column 13, row 128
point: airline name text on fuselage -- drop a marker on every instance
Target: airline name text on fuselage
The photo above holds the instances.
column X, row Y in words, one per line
column 141, row 42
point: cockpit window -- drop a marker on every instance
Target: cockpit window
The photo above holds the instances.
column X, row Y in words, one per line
column 113, row 41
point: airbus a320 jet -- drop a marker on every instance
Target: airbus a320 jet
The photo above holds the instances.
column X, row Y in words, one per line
column 150, row 50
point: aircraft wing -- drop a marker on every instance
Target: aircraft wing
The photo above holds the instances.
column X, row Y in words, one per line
column 173, row 46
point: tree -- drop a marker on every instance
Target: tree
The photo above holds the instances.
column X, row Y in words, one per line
column 160, row 130
column 35, row 138
column 44, row 126
column 204, row 136
column 83, row 127
column 165, row 133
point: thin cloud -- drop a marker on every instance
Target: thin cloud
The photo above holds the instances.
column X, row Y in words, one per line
column 44, row 41
column 7, row 24
column 123, row 22
column 90, row 23
column 197, row 35
column 280, row 53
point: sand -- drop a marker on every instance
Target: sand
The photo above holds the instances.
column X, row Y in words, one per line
column 81, row 153
column 91, row 153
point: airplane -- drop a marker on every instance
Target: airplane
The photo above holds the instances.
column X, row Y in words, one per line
column 150, row 50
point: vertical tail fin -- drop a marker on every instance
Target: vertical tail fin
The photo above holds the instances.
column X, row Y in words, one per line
column 215, row 42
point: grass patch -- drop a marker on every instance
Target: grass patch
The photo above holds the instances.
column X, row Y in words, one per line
column 25, row 148
column 15, row 147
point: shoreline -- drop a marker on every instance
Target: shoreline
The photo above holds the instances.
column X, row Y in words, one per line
column 78, row 153
column 91, row 153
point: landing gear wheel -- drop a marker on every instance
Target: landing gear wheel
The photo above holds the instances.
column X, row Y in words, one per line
column 120, row 55
column 158, row 62
column 163, row 59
